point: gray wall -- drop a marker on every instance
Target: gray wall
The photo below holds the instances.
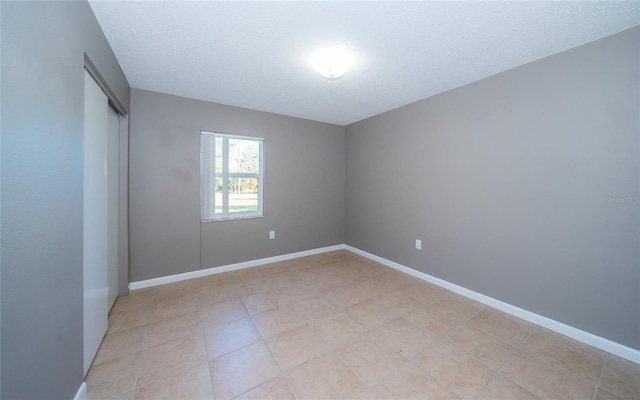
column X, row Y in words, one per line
column 303, row 190
column 507, row 181
column 43, row 46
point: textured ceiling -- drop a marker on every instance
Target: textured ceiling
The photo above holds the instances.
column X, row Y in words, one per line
column 256, row 54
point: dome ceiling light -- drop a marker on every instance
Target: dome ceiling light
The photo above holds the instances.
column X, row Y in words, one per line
column 332, row 63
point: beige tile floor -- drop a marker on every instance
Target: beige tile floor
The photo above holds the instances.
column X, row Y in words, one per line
column 337, row 325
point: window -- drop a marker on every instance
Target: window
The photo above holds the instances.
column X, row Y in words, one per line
column 231, row 169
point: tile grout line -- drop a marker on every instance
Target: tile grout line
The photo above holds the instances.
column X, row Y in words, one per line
column 144, row 340
column 499, row 338
column 553, row 364
column 604, row 363
column 390, row 373
column 286, row 379
column 466, row 322
column 330, row 349
column 323, row 295
column 307, row 322
column 437, row 341
column 263, row 339
column 370, row 331
column 204, row 343
column 433, row 377
column 511, row 356
column 282, row 372
column 443, row 336
column 351, row 369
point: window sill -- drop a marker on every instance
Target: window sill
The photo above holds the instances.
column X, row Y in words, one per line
column 231, row 218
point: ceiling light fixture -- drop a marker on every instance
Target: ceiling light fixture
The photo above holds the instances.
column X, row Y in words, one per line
column 332, row 63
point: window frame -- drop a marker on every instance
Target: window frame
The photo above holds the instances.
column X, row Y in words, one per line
column 207, row 194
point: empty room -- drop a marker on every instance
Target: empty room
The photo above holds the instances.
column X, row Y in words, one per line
column 319, row 200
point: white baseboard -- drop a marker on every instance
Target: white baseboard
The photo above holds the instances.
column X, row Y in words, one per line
column 607, row 345
column 231, row 267
column 574, row 333
column 82, row 392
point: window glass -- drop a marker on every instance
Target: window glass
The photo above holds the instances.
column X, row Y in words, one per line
column 232, row 176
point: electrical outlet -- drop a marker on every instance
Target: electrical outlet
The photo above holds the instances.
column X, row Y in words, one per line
column 272, row 234
column 418, row 244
